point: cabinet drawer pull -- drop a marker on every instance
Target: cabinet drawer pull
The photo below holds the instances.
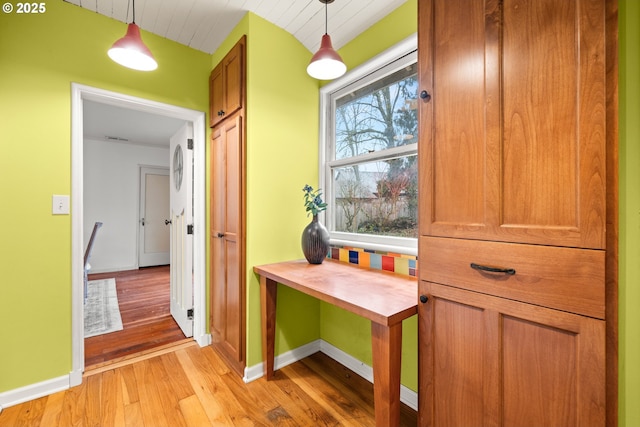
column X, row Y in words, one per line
column 509, row 271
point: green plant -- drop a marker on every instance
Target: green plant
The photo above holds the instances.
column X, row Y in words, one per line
column 313, row 200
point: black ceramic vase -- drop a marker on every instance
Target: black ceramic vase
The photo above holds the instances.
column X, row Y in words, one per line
column 315, row 242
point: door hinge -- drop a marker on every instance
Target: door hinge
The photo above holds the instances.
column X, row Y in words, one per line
column 190, row 144
column 190, row 229
column 190, row 314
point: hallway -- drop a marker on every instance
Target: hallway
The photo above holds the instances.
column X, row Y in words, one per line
column 143, row 297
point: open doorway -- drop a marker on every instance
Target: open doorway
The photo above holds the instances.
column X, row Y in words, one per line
column 195, row 119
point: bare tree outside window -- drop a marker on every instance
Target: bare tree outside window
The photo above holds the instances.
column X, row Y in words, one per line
column 377, row 196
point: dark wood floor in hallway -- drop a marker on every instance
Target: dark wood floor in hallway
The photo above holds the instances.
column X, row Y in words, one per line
column 143, row 296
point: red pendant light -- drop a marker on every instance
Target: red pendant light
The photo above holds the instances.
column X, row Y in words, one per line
column 326, row 64
column 130, row 51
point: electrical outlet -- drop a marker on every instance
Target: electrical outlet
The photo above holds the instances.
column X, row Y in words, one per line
column 60, row 205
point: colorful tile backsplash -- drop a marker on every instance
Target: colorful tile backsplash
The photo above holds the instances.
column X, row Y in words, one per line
column 388, row 261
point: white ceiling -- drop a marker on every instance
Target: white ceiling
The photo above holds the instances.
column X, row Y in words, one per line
column 204, row 25
column 104, row 122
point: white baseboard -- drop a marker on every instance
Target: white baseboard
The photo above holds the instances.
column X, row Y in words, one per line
column 34, row 391
column 256, row 371
column 204, row 340
column 75, row 378
column 407, row 396
column 113, row 269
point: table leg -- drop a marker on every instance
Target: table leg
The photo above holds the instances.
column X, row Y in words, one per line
column 268, row 294
column 386, row 344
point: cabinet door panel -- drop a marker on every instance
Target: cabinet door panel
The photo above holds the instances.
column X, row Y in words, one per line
column 554, row 119
column 227, row 286
column 536, row 385
column 513, row 363
column 514, row 133
column 226, row 85
column 234, row 79
column 216, row 95
column 218, row 274
column 457, row 371
column 462, row 159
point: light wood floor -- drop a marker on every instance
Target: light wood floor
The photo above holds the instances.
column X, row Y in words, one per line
column 143, row 296
column 191, row 386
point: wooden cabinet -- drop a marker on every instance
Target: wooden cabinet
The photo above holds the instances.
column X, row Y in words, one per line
column 516, row 118
column 226, row 85
column 227, row 242
column 514, row 135
column 498, row 362
column 228, row 209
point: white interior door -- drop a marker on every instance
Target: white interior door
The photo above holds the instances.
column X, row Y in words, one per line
column 181, row 199
column 153, row 248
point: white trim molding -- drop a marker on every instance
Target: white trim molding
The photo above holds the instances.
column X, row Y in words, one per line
column 282, row 360
column 389, row 61
column 203, row 339
column 33, row 391
column 80, row 93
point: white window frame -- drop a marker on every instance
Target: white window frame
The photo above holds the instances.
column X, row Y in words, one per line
column 402, row 54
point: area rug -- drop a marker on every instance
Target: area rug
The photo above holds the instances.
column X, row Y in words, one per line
column 101, row 309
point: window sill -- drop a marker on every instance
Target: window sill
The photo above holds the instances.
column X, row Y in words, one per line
column 405, row 250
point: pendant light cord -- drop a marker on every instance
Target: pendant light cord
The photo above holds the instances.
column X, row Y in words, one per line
column 326, row 31
column 134, row 11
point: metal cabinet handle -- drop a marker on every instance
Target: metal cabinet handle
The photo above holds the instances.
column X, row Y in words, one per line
column 509, row 271
column 424, row 299
column 167, row 222
column 426, row 96
column 220, row 234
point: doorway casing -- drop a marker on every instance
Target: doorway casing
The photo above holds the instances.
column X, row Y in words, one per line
column 80, row 93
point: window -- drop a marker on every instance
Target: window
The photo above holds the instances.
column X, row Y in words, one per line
column 368, row 154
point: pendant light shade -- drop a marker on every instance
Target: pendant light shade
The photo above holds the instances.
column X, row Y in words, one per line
column 326, row 64
column 130, row 51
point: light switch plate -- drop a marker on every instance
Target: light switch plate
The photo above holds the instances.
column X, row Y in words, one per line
column 60, row 204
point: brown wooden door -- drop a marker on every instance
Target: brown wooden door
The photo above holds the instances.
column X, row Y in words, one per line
column 488, row 361
column 227, row 242
column 226, row 85
column 513, row 135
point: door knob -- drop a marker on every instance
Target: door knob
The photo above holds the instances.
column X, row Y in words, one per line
column 426, row 96
column 167, row 221
column 423, row 298
column 220, row 234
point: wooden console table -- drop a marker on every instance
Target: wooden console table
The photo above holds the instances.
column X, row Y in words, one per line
column 382, row 297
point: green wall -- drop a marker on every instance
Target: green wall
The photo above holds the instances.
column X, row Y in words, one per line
column 40, row 56
column 356, row 338
column 282, row 156
column 629, row 169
